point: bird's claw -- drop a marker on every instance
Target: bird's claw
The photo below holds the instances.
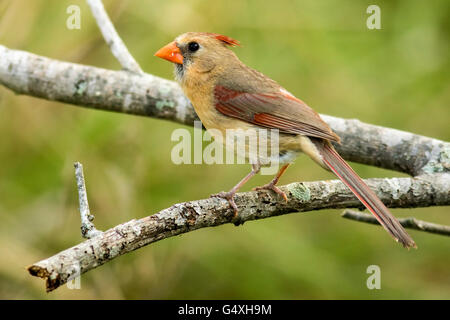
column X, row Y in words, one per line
column 229, row 196
column 271, row 186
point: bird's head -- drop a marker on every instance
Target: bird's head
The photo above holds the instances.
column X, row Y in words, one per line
column 198, row 52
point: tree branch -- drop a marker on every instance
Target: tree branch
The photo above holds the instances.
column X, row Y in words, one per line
column 184, row 217
column 112, row 38
column 390, row 148
column 411, row 222
column 151, row 96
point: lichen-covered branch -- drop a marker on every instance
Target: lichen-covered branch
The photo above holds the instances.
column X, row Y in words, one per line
column 151, row 96
column 112, row 38
column 428, row 190
column 410, row 223
column 390, row 148
column 92, row 87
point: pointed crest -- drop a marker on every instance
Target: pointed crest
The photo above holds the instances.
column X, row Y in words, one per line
column 227, row 40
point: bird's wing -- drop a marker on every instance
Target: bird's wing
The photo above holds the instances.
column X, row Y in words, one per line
column 275, row 110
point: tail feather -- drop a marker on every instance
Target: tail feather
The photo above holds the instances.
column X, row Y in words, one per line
column 370, row 200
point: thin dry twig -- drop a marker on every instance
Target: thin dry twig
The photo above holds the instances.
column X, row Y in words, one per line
column 88, row 229
column 410, row 222
column 112, row 38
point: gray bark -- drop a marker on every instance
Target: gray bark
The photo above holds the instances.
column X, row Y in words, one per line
column 87, row 227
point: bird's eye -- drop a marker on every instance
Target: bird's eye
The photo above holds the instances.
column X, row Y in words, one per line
column 193, row 46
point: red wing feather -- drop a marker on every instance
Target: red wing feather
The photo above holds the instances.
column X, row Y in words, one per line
column 229, row 111
column 280, row 111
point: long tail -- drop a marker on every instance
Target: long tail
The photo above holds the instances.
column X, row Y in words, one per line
column 342, row 169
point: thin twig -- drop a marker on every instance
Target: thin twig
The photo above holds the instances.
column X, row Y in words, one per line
column 411, row 222
column 88, row 229
column 112, row 38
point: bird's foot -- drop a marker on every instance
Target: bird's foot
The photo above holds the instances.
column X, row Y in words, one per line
column 229, row 196
column 273, row 187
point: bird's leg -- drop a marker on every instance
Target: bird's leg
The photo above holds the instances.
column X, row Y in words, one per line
column 230, row 194
column 272, row 184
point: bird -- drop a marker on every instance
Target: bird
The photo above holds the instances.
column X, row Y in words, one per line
column 228, row 95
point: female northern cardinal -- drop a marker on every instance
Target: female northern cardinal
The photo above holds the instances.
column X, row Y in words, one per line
column 226, row 94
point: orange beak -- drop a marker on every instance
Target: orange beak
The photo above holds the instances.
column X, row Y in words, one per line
column 171, row 53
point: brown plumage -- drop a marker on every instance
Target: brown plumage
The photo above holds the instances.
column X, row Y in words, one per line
column 226, row 94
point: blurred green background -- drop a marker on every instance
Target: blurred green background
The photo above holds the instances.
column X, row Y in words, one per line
column 319, row 50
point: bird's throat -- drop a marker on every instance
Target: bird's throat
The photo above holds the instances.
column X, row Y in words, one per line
column 179, row 72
